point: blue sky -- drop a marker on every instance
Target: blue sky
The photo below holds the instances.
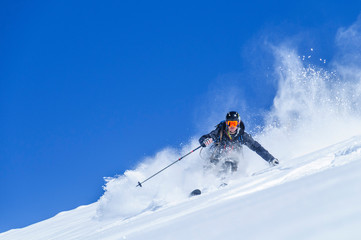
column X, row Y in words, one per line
column 90, row 88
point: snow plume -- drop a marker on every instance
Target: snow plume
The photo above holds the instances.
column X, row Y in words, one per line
column 122, row 199
column 314, row 107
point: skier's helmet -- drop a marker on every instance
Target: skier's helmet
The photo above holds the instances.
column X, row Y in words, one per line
column 233, row 116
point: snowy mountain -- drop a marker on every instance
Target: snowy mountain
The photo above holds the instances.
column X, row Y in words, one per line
column 315, row 196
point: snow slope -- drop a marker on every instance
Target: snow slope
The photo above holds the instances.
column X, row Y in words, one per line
column 315, row 196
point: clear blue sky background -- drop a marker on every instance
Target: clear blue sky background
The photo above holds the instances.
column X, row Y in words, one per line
column 89, row 88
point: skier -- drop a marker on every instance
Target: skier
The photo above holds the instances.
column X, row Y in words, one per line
column 228, row 138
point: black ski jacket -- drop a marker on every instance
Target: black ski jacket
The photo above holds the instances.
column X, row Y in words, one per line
column 223, row 140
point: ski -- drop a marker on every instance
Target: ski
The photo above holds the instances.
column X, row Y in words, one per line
column 195, row 192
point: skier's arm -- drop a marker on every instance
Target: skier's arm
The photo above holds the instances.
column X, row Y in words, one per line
column 255, row 146
column 213, row 135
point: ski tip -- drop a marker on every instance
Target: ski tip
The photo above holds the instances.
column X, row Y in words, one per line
column 195, row 192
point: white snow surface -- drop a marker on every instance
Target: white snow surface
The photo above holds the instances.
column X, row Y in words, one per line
column 315, row 196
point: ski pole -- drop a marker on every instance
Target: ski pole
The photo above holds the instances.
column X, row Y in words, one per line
column 140, row 183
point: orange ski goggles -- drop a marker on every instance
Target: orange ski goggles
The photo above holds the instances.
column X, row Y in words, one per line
column 232, row 123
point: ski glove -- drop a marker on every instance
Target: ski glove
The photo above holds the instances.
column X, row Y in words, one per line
column 206, row 142
column 274, row 162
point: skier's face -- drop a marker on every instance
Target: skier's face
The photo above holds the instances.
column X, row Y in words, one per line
column 232, row 126
column 232, row 129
